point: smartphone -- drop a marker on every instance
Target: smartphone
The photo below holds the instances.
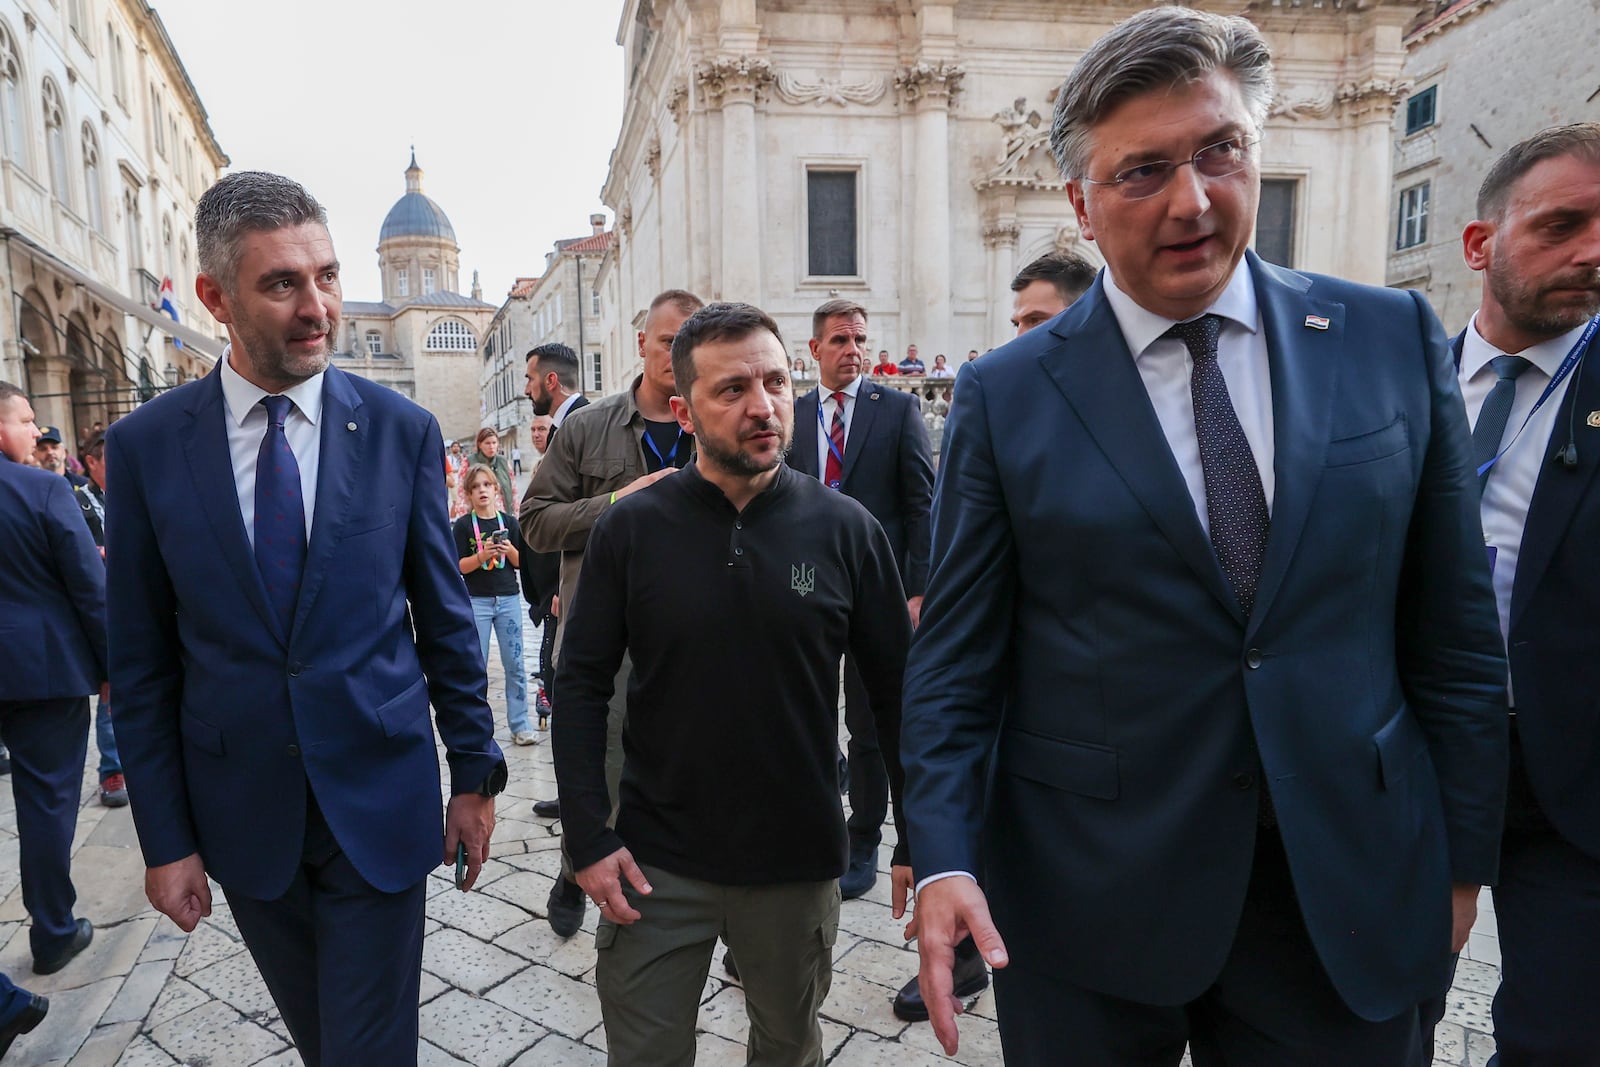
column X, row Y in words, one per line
column 461, row 865
column 500, row 537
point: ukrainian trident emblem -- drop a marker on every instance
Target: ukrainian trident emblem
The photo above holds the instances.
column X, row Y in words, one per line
column 803, row 579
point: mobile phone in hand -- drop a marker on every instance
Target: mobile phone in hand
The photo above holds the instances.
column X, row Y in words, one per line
column 461, row 865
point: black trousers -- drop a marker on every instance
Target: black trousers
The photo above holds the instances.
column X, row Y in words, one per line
column 547, row 647
column 1547, row 909
column 1272, row 1006
column 869, row 782
column 48, row 740
column 342, row 960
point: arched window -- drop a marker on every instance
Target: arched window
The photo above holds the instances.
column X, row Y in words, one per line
column 91, row 180
column 374, row 343
column 184, row 282
column 135, row 234
column 13, row 124
column 56, row 138
column 169, row 262
column 451, row 335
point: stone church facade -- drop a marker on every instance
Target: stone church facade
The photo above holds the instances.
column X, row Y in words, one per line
column 784, row 152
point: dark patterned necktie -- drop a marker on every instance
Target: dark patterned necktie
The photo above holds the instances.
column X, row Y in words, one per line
column 280, row 515
column 833, row 470
column 1236, row 505
column 1495, row 412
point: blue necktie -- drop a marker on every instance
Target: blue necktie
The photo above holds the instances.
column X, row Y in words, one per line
column 1236, row 505
column 1495, row 412
column 280, row 515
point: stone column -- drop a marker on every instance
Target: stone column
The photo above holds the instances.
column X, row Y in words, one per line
column 735, row 84
column 928, row 89
column 1368, row 113
column 1000, row 238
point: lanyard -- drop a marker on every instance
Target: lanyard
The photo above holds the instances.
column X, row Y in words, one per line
column 477, row 536
column 1573, row 358
column 828, row 437
column 666, row 460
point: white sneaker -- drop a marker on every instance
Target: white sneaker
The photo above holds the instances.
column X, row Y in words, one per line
column 524, row 737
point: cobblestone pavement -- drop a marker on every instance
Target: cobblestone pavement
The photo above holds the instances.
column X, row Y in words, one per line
column 498, row 987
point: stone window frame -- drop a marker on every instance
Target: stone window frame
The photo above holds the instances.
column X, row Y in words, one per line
column 430, row 281
column 53, row 104
column 94, row 193
column 1411, row 221
column 402, row 281
column 1300, row 178
column 451, row 335
column 1413, row 105
column 374, row 341
column 826, row 163
column 14, row 127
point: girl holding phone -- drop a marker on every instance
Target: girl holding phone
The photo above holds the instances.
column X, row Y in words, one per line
column 490, row 545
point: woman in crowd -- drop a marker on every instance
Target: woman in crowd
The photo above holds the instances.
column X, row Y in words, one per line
column 487, row 454
column 455, row 480
column 490, row 546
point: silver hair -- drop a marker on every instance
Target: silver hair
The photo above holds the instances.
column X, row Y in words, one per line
column 1156, row 49
column 249, row 201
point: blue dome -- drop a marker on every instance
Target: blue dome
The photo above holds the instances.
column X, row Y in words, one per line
column 415, row 215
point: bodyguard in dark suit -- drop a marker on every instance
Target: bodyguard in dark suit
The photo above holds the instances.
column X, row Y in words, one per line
column 52, row 655
column 869, row 443
column 286, row 603
column 1530, row 374
column 1209, row 585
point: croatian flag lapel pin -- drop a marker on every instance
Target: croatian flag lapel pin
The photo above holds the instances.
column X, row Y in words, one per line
column 1317, row 322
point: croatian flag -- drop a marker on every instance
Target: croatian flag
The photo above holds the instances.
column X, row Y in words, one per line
column 168, row 306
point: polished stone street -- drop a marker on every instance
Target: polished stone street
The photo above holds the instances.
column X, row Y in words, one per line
column 498, row 987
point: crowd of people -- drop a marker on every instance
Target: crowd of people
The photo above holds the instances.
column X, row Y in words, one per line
column 1201, row 712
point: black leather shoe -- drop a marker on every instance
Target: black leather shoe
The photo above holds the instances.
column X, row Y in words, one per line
column 862, row 874
column 79, row 942
column 547, row 809
column 565, row 908
column 729, row 966
column 30, row 1016
column 844, row 774
column 971, row 978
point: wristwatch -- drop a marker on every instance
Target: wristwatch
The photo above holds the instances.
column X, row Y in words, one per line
column 495, row 782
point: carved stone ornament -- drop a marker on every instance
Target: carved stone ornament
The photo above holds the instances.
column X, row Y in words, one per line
column 1067, row 235
column 830, row 91
column 625, row 218
column 652, row 157
column 1001, row 234
column 929, row 81
column 1374, row 95
column 678, row 100
column 1303, row 102
column 1024, row 160
column 734, row 78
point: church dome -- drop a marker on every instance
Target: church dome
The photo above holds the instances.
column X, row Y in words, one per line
column 414, row 214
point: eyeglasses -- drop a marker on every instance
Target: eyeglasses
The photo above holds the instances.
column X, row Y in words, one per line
column 1213, row 161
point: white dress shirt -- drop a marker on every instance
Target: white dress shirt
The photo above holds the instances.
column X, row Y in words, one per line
column 559, row 415
column 1511, row 480
column 247, row 425
column 825, row 404
column 1165, row 365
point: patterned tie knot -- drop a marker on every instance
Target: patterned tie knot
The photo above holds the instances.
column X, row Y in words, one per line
column 1199, row 336
column 839, row 398
column 1509, row 368
column 277, row 409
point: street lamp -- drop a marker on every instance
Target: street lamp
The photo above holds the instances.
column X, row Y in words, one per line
column 171, row 375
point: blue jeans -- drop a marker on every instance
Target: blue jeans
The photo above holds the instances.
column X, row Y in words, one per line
column 106, row 741
column 504, row 615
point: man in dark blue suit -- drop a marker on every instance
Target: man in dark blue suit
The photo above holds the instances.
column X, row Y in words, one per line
column 1529, row 365
column 285, row 603
column 869, row 443
column 1208, row 684
column 52, row 655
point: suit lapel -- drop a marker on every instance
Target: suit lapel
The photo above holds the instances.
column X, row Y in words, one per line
column 204, row 439
column 1559, row 490
column 861, row 420
column 803, row 453
column 339, row 476
column 1096, row 373
column 1304, row 365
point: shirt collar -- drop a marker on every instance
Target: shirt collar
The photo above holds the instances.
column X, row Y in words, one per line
column 1142, row 328
column 242, row 396
column 850, row 389
column 559, row 415
column 1476, row 352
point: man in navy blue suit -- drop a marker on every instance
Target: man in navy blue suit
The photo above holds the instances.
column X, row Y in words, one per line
column 52, row 655
column 870, row 444
column 1529, row 364
column 285, row 604
column 1208, row 685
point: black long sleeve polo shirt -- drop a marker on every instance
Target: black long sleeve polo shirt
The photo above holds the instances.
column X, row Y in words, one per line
column 736, row 623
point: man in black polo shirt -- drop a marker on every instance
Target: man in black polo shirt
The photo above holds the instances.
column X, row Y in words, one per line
column 735, row 697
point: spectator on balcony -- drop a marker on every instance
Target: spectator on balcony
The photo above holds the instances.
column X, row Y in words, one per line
column 885, row 365
column 940, row 369
column 912, row 364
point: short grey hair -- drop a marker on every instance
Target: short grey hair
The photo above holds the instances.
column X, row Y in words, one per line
column 249, row 201
column 1156, row 50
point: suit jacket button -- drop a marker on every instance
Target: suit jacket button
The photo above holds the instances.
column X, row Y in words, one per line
column 294, row 751
column 295, row 669
column 1252, row 659
column 1243, row 781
